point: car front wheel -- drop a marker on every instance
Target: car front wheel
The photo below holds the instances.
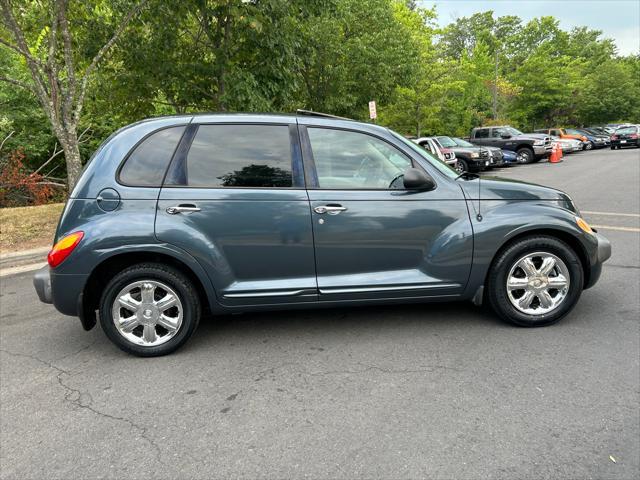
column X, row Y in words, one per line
column 535, row 281
column 149, row 309
column 524, row 155
column 461, row 166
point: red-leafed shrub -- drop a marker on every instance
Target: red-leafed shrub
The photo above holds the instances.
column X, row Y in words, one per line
column 19, row 186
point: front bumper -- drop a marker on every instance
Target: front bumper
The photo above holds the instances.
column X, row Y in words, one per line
column 541, row 151
column 603, row 253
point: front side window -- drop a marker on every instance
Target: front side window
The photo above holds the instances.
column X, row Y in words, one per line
column 146, row 164
column 240, row 156
column 352, row 160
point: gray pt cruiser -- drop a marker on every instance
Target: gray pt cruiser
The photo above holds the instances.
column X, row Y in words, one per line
column 184, row 216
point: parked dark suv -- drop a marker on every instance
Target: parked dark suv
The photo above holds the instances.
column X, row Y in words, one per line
column 180, row 216
column 529, row 147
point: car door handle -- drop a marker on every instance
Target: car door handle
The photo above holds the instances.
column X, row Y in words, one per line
column 330, row 209
column 182, row 209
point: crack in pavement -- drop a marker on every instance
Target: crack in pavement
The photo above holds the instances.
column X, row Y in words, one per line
column 74, row 397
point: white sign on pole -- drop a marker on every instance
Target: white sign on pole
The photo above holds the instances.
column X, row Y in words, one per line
column 372, row 110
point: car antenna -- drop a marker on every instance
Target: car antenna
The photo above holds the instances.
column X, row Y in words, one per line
column 479, row 215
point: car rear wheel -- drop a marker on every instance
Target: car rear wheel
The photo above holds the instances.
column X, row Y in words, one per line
column 524, row 155
column 149, row 309
column 535, row 281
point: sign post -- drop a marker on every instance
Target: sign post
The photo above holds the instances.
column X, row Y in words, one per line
column 372, row 111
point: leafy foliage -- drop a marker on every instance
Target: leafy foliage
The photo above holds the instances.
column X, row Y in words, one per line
column 180, row 56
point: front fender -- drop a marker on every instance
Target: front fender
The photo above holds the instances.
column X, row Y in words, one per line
column 502, row 221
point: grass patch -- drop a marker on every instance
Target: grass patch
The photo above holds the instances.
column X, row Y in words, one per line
column 22, row 228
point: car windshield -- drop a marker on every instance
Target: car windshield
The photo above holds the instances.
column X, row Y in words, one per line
column 627, row 130
column 446, row 142
column 441, row 166
column 512, row 131
column 462, row 143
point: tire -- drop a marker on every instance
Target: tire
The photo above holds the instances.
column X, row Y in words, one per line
column 524, row 155
column 461, row 166
column 612, row 147
column 588, row 146
column 157, row 282
column 505, row 266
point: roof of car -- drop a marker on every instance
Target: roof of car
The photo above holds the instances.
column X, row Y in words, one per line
column 302, row 116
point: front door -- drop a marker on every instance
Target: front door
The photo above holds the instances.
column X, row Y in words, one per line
column 373, row 239
column 234, row 199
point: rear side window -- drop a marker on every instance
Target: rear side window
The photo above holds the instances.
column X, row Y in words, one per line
column 240, row 156
column 482, row 133
column 147, row 163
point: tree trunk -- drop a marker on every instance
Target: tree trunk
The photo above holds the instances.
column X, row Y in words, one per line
column 71, row 147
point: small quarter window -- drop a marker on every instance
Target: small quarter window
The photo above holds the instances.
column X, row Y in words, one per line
column 147, row 163
column 240, row 156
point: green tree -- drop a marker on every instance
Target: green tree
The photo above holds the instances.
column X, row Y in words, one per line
column 56, row 60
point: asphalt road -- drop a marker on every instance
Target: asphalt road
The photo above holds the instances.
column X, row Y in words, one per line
column 432, row 391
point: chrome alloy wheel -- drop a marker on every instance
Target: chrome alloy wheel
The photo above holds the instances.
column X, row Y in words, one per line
column 147, row 313
column 522, row 156
column 538, row 283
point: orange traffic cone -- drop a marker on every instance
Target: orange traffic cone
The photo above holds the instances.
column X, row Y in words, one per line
column 554, row 154
column 559, row 153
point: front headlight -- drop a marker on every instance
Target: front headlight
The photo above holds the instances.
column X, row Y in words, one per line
column 538, row 143
column 475, row 154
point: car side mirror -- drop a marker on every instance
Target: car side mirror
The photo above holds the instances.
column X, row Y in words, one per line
column 416, row 179
column 505, row 135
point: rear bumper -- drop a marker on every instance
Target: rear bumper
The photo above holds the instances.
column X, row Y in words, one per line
column 42, row 284
column 628, row 142
column 65, row 292
column 603, row 253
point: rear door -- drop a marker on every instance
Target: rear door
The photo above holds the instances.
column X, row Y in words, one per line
column 234, row 199
column 373, row 239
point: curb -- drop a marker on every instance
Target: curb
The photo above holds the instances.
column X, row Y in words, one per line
column 24, row 257
column 6, row 272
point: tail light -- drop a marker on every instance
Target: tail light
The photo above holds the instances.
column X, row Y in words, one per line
column 633, row 135
column 614, row 137
column 63, row 248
